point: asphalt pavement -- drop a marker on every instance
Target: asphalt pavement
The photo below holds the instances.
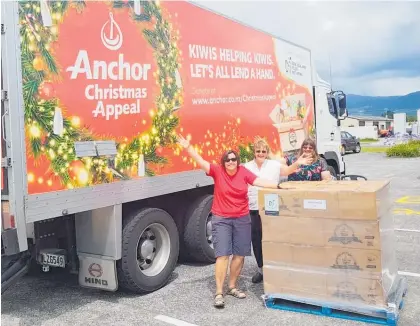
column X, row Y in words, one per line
column 187, row 299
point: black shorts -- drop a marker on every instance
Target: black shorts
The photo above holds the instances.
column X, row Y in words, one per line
column 231, row 235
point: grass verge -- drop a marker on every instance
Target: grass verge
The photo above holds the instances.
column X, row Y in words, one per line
column 373, row 149
column 410, row 149
column 368, row 140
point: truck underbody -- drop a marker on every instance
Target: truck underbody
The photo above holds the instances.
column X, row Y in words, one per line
column 155, row 232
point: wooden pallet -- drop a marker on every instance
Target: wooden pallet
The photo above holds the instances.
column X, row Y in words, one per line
column 387, row 316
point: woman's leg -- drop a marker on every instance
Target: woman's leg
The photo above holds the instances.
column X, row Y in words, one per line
column 222, row 263
column 235, row 270
column 222, row 242
column 241, row 248
column 257, row 244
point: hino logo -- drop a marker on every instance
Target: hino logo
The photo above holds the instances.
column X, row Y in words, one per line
column 92, row 280
column 95, row 270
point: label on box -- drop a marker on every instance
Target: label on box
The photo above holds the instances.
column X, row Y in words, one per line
column 314, row 204
column 271, row 204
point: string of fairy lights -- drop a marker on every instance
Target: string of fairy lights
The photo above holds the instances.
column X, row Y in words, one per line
column 39, row 29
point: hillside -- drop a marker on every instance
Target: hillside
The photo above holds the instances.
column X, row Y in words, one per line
column 376, row 105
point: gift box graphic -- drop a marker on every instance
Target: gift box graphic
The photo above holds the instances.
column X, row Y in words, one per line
column 288, row 119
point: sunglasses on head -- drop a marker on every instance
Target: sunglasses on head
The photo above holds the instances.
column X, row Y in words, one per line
column 259, row 151
column 231, row 159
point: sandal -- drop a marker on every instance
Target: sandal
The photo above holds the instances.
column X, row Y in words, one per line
column 236, row 293
column 219, row 301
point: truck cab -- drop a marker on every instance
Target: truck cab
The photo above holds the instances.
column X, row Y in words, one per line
column 330, row 109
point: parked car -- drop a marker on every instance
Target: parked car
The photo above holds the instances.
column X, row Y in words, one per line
column 349, row 143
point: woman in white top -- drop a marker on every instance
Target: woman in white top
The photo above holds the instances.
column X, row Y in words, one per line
column 270, row 170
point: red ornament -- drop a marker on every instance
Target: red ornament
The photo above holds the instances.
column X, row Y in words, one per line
column 46, row 91
column 159, row 150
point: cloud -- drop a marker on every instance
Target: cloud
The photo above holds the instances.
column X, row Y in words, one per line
column 373, row 85
column 374, row 46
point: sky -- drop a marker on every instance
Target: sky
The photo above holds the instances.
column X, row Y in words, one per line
column 374, row 46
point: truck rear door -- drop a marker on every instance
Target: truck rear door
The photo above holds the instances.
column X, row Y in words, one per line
column 13, row 176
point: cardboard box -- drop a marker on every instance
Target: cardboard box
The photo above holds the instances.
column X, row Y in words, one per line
column 329, row 242
column 322, row 232
column 356, row 290
column 279, row 281
column 326, row 287
column 328, row 258
column 354, row 200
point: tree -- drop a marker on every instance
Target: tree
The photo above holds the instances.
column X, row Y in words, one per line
column 411, row 118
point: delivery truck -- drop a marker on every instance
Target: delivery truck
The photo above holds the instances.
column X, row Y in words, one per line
column 93, row 96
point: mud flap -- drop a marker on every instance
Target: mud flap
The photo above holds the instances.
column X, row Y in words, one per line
column 97, row 272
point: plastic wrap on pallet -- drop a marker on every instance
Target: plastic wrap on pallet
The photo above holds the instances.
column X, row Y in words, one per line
column 330, row 244
column 334, row 289
column 351, row 245
column 341, row 302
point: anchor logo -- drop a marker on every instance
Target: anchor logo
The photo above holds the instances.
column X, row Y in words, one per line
column 112, row 42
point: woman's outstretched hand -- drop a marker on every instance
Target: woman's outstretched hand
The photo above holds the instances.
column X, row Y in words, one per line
column 183, row 142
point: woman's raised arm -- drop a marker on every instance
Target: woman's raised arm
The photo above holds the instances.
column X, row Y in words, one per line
column 185, row 143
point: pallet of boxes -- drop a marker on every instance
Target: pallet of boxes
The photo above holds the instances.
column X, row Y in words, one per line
column 329, row 249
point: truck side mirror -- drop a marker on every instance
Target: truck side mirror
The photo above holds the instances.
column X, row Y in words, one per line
column 342, row 103
column 343, row 114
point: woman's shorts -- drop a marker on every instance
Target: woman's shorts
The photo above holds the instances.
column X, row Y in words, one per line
column 231, row 235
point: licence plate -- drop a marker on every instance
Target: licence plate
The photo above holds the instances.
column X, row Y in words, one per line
column 53, row 260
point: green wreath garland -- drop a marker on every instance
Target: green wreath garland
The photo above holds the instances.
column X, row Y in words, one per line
column 39, row 65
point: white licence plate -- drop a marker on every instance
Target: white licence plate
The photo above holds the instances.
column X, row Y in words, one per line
column 53, row 260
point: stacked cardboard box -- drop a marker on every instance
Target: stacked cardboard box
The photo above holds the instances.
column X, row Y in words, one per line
column 329, row 241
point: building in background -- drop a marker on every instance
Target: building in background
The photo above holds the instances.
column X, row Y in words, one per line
column 367, row 126
column 414, row 126
column 363, row 121
column 400, row 123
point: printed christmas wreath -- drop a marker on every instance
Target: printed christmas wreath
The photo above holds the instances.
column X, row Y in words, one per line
column 39, row 28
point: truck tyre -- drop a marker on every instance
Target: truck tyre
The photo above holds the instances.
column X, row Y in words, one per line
column 150, row 248
column 198, row 233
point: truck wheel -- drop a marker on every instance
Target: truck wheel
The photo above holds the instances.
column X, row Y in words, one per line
column 357, row 149
column 198, row 240
column 150, row 248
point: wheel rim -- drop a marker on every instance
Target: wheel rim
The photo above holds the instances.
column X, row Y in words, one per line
column 209, row 234
column 358, row 148
column 153, row 249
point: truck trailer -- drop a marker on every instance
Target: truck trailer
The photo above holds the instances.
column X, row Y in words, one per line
column 93, row 96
